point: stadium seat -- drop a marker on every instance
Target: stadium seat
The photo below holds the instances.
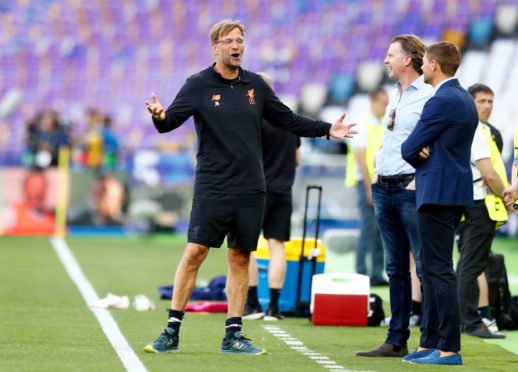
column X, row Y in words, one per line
column 50, row 48
column 370, row 75
column 480, row 31
column 312, row 98
column 454, row 36
column 501, row 55
column 472, row 67
column 342, row 87
column 506, row 19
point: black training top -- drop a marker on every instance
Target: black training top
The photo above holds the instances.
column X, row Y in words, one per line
column 228, row 116
column 279, row 159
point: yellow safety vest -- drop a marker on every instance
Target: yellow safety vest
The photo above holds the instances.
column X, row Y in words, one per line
column 494, row 204
column 374, row 139
column 515, row 141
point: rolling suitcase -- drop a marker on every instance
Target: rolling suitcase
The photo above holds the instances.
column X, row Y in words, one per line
column 305, row 257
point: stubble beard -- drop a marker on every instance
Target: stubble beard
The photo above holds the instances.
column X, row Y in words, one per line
column 231, row 66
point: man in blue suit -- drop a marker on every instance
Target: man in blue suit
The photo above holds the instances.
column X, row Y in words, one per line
column 439, row 149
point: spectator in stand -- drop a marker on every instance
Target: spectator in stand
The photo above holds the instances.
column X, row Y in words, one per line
column 93, row 140
column 110, row 145
column 45, row 136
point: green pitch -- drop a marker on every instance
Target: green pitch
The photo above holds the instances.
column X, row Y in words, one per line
column 45, row 324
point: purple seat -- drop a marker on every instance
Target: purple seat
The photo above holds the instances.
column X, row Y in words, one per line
column 113, row 68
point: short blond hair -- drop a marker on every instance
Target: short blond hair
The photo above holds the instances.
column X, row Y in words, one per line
column 224, row 27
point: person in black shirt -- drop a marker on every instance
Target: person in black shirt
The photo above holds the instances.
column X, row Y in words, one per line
column 228, row 104
column 280, row 158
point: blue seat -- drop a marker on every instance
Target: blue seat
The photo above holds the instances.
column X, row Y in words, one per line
column 341, row 88
column 481, row 31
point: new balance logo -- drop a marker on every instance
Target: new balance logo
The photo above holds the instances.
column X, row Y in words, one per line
column 240, row 345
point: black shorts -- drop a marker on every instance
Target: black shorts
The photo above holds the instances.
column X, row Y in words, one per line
column 238, row 217
column 277, row 216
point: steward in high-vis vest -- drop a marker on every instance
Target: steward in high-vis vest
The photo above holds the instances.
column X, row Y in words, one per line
column 360, row 171
column 374, row 138
column 483, row 218
column 494, row 203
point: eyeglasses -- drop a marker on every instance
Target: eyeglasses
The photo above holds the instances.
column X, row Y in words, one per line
column 228, row 41
column 392, row 121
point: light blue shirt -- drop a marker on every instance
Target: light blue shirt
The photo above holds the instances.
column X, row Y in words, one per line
column 408, row 107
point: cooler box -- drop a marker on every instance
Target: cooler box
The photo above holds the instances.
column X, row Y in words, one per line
column 288, row 300
column 340, row 299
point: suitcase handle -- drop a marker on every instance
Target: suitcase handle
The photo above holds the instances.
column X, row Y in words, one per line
column 317, row 228
column 315, row 251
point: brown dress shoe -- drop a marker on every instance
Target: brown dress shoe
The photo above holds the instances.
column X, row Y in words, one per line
column 385, row 350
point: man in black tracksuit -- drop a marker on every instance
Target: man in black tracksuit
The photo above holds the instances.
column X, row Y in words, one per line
column 228, row 105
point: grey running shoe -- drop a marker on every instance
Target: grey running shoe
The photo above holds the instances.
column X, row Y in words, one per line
column 239, row 344
column 167, row 342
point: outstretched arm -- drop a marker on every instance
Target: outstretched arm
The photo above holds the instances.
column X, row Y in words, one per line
column 281, row 116
column 182, row 107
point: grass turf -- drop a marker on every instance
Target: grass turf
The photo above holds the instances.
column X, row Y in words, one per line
column 45, row 324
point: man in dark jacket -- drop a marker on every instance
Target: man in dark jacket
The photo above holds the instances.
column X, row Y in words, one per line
column 439, row 149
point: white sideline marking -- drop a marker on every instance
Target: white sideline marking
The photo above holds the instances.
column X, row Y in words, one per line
column 297, row 345
column 108, row 324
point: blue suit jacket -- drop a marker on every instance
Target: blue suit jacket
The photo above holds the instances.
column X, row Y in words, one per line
column 447, row 125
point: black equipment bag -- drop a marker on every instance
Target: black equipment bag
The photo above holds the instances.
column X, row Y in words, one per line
column 502, row 306
column 376, row 313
